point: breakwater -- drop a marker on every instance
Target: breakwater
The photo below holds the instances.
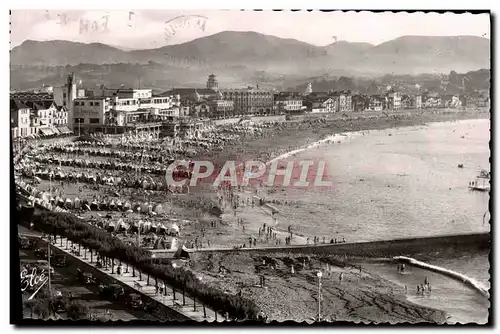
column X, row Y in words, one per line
column 383, row 248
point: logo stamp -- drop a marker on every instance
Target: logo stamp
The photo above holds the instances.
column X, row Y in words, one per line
column 33, row 280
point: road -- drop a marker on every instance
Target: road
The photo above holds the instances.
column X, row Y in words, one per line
column 65, row 280
column 185, row 307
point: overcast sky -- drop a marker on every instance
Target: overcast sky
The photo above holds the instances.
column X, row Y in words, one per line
column 146, row 28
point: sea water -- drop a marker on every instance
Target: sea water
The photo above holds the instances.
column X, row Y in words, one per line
column 401, row 183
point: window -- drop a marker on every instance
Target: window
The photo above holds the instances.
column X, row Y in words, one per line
column 94, row 121
column 79, row 120
column 97, row 104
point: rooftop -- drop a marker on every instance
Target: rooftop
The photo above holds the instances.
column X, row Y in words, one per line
column 186, row 91
column 34, row 96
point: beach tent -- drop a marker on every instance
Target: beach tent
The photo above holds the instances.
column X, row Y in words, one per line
column 121, row 226
column 110, row 227
column 135, row 226
column 144, row 207
column 174, row 229
column 94, row 205
column 154, row 227
column 174, row 243
column 161, row 229
column 181, row 253
column 76, row 203
column 146, row 227
column 68, row 203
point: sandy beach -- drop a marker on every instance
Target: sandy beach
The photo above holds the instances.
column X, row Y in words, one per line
column 349, row 292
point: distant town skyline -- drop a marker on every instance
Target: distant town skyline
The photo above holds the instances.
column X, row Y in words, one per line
column 147, row 29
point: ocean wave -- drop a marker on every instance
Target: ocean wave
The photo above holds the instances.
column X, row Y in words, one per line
column 450, row 273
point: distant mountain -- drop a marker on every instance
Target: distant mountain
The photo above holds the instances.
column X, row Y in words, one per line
column 427, row 54
column 273, row 57
column 61, row 53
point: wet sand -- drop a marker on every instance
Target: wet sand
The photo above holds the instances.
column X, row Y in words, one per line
column 361, row 296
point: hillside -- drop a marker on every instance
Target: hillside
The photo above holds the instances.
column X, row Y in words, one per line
column 269, row 56
column 453, row 83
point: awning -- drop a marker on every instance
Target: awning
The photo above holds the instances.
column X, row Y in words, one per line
column 65, row 130
column 46, row 131
column 56, row 131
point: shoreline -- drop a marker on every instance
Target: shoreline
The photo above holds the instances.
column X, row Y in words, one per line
column 350, row 292
column 335, row 136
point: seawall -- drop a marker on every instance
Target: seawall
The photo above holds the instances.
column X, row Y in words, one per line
column 385, row 248
column 255, row 119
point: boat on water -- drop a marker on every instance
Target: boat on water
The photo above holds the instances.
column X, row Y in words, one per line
column 482, row 181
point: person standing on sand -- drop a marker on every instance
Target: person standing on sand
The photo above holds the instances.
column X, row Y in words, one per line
column 406, row 289
column 341, row 276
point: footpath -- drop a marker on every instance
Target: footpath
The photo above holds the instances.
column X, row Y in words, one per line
column 184, row 305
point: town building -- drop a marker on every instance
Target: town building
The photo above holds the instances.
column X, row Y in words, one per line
column 221, row 108
column 377, row 103
column 360, row 103
column 65, row 95
column 431, row 102
column 20, row 120
column 105, row 109
column 250, row 100
column 192, row 94
column 451, row 101
column 320, row 102
column 342, row 101
column 411, row 101
column 288, row 103
column 45, row 116
column 394, row 100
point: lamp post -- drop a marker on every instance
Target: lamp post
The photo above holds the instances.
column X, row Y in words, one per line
column 319, row 274
column 204, row 309
column 139, row 229
column 174, row 265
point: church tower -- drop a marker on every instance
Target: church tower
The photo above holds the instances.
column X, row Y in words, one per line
column 212, row 82
column 308, row 89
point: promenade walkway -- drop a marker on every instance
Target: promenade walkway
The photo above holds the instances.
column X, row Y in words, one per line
column 185, row 306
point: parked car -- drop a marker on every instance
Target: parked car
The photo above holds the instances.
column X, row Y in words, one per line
column 25, row 243
column 134, row 300
column 60, row 261
column 84, row 277
column 41, row 252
